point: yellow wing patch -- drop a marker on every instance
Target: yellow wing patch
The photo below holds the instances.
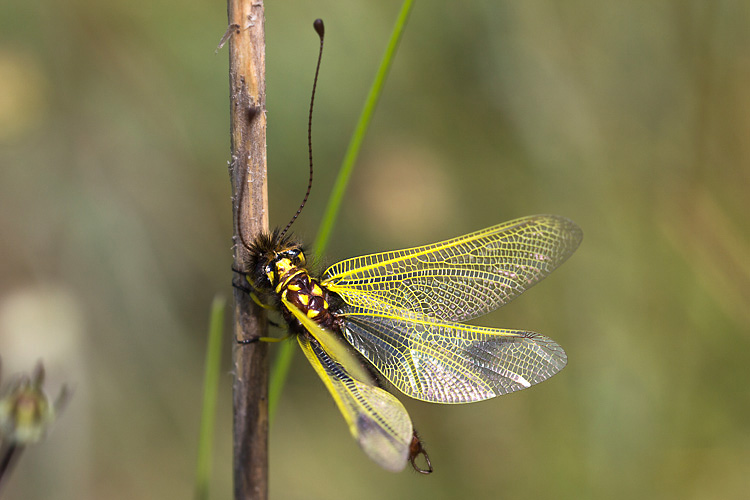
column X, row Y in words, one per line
column 461, row 278
column 376, row 419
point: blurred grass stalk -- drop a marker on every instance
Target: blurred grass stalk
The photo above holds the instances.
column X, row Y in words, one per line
column 210, row 396
column 283, row 359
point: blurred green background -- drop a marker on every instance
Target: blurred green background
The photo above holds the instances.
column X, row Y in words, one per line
column 631, row 118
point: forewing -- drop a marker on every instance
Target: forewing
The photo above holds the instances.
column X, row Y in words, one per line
column 376, row 419
column 462, row 278
column 446, row 362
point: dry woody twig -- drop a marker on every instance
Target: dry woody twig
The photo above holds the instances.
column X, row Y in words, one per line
column 246, row 37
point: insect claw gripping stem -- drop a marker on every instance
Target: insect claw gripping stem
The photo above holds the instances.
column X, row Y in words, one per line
column 248, row 341
column 241, row 286
column 270, row 340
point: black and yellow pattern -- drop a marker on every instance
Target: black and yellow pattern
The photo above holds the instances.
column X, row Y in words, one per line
column 401, row 310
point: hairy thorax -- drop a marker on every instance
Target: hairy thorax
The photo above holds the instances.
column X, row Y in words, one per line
column 304, row 292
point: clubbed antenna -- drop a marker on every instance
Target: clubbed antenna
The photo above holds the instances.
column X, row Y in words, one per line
column 320, row 29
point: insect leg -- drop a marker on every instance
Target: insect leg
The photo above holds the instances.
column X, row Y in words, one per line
column 261, row 304
column 248, row 290
column 242, row 283
column 270, row 340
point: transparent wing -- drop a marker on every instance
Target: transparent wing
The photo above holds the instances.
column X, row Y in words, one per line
column 446, row 362
column 462, row 278
column 376, row 419
column 333, row 344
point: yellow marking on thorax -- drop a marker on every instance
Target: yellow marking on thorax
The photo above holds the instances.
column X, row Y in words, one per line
column 311, row 313
column 317, row 290
column 287, row 279
column 283, row 266
column 303, row 298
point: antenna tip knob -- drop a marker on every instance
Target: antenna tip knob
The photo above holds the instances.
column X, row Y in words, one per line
column 319, row 27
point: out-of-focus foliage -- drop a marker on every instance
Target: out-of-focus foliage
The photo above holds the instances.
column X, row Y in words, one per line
column 26, row 411
column 631, row 118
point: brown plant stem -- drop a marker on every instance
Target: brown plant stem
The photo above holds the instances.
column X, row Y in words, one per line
column 247, row 88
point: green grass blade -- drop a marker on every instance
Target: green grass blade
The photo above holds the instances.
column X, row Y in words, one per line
column 210, row 396
column 286, row 350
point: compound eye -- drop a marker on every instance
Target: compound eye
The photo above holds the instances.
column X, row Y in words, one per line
column 296, row 257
